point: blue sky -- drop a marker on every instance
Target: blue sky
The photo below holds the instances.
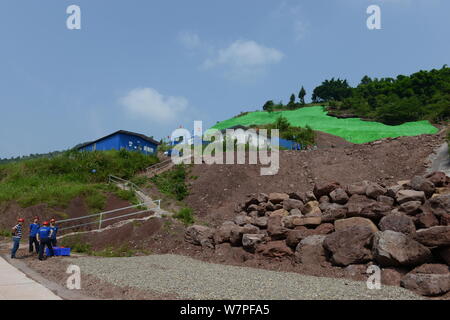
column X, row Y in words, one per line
column 151, row 66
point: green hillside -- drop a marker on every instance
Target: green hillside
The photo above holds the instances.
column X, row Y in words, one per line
column 354, row 130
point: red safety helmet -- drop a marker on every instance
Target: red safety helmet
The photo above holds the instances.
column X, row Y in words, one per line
column 45, row 223
column 21, row 220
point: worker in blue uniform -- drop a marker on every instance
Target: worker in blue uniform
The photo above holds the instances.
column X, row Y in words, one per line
column 44, row 237
column 34, row 228
column 54, row 228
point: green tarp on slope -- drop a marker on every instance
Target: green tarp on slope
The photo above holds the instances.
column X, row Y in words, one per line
column 354, row 130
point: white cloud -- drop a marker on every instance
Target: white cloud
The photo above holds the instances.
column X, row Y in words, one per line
column 189, row 39
column 148, row 103
column 245, row 54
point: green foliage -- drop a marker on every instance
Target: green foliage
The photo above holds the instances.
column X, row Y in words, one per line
column 424, row 95
column 331, row 90
column 301, row 96
column 5, row 233
column 185, row 215
column 269, row 106
column 76, row 244
column 304, row 136
column 56, row 181
column 173, row 182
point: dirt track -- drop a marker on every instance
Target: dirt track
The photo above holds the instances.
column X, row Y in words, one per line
column 219, row 187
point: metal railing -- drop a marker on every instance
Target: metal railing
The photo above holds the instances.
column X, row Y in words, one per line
column 101, row 215
column 133, row 187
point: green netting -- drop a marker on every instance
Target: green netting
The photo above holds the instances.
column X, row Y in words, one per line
column 354, row 130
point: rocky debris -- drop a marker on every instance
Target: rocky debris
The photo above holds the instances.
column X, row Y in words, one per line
column 200, row 235
column 438, row 236
column 325, row 189
column 410, row 195
column 339, row 196
column 251, row 241
column 397, row 227
column 410, row 207
column 274, row 249
column 357, row 188
column 398, row 222
column 422, row 184
column 428, row 280
column 374, row 190
column 310, row 250
column 350, row 246
column 391, row 248
column 290, row 204
column 277, row 198
column 342, row 224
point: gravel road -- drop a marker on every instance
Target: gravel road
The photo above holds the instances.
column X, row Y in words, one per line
column 193, row 279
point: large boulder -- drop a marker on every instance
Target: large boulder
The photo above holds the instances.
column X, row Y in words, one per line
column 357, row 203
column 251, row 241
column 290, row 204
column 374, row 190
column 440, row 204
column 275, row 228
column 428, row 280
column 274, row 249
column 333, row 211
column 403, row 196
column 339, row 196
column 342, row 224
column 238, row 232
column 391, row 248
column 438, row 236
column 200, row 236
column 312, row 209
column 427, row 220
column 357, row 188
column 410, row 207
column 223, row 233
column 324, row 189
column 350, row 246
column 421, row 184
column 398, row 222
column 310, row 250
column 438, row 178
column 277, row 198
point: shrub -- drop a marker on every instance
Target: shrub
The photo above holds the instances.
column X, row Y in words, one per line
column 185, row 215
column 173, row 182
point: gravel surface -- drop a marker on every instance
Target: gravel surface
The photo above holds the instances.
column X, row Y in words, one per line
column 194, row 279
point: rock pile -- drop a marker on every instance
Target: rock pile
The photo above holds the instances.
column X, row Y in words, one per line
column 403, row 228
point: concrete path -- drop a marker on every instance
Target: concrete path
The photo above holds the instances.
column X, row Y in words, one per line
column 15, row 285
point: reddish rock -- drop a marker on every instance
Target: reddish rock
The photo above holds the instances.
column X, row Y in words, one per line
column 251, row 241
column 357, row 203
column 277, row 198
column 421, row 184
column 279, row 212
column 410, row 195
column 440, row 204
column 200, row 236
column 222, row 234
column 275, row 228
column 374, row 190
column 391, row 276
column 438, row 178
column 428, row 280
column 310, row 250
column 274, row 249
column 386, row 200
column 342, row 224
column 333, row 211
column 392, row 248
column 427, row 220
column 324, row 228
column 410, row 207
column 398, row 222
column 339, row 196
column 325, row 189
column 290, row 204
column 357, row 188
column 349, row 246
column 438, row 236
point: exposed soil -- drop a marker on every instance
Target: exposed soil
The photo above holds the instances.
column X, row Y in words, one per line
column 219, row 187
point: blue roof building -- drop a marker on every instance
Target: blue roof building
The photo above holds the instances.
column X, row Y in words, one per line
column 122, row 140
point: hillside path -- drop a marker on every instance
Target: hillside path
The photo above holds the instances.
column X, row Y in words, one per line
column 15, row 285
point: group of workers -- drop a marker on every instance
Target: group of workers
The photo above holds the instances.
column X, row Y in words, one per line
column 40, row 236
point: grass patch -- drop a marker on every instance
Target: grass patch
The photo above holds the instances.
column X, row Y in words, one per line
column 185, row 215
column 56, row 181
column 5, row 233
column 173, row 182
column 354, row 130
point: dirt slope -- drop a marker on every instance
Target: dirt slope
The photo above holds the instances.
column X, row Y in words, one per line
column 219, row 187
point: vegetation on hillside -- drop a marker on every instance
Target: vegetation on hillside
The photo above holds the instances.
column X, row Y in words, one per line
column 304, row 136
column 173, row 182
column 56, row 181
column 424, row 95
